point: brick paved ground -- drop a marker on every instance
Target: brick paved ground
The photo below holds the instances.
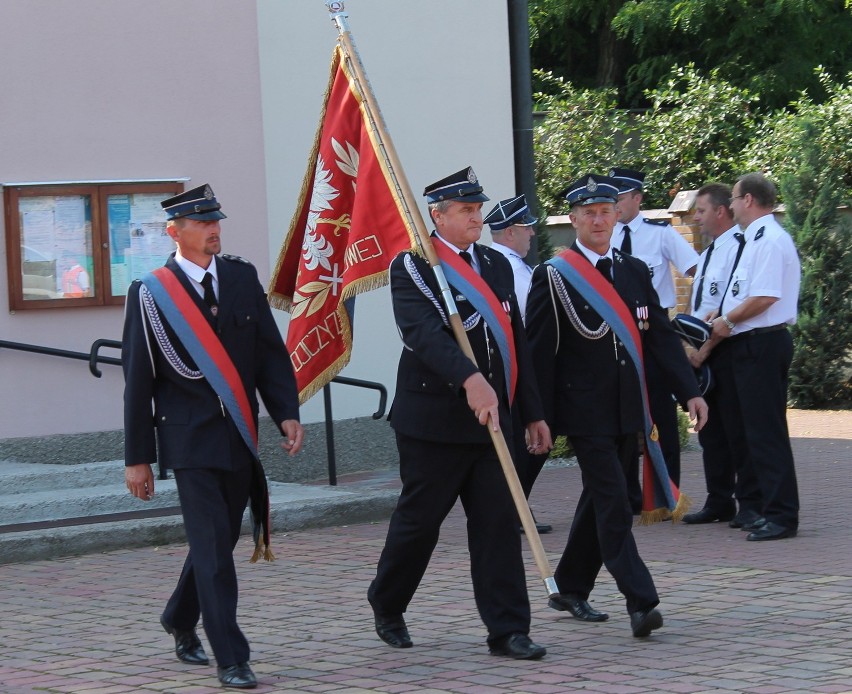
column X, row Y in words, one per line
column 739, row 617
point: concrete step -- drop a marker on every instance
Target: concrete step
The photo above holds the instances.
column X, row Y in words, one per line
column 61, row 510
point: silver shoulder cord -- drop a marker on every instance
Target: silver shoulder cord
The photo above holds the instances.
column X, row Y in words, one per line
column 162, row 337
column 558, row 285
column 471, row 322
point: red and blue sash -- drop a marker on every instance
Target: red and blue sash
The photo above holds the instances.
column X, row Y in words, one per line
column 603, row 298
column 205, row 348
column 464, row 278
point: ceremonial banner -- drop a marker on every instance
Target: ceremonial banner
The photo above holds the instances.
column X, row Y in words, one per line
column 348, row 226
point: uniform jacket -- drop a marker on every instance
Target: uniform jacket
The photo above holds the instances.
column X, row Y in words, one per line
column 192, row 428
column 430, row 402
column 588, row 385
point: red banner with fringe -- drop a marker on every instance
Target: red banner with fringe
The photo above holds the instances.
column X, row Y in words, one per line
column 348, row 226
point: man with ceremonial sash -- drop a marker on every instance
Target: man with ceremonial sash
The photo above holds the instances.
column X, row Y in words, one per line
column 442, row 402
column 589, row 330
column 199, row 340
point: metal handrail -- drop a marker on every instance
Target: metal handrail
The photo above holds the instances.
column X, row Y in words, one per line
column 91, row 356
column 94, row 358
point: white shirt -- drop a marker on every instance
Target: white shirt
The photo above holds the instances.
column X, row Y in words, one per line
column 716, row 274
column 657, row 245
column 196, row 273
column 522, row 272
column 769, row 266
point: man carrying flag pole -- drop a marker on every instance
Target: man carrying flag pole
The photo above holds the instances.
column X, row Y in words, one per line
column 442, row 400
column 592, row 314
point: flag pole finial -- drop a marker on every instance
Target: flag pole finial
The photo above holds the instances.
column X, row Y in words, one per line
column 336, row 9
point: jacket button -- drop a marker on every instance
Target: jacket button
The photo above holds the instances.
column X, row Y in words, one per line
column 423, row 385
column 163, row 418
column 622, row 362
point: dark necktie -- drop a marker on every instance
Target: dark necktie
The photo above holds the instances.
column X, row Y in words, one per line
column 701, row 279
column 466, row 257
column 740, row 240
column 627, row 244
column 209, row 294
column 604, row 266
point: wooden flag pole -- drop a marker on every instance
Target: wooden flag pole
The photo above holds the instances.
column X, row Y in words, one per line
column 397, row 174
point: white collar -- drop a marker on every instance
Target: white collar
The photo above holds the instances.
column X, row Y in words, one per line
column 594, row 256
column 196, row 272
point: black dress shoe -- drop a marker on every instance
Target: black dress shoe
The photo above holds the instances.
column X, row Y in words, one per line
column 188, row 647
column 643, row 622
column 517, row 646
column 237, row 676
column 771, row 531
column 758, row 522
column 578, row 607
column 393, row 632
column 706, row 515
column 742, row 518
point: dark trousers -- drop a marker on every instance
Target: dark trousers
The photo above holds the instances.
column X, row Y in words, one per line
column 664, row 414
column 213, row 503
column 718, row 460
column 753, row 372
column 723, row 444
column 433, row 476
column 601, row 534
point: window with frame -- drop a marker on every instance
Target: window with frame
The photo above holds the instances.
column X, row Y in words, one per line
column 81, row 244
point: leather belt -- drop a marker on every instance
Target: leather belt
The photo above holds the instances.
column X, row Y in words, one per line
column 757, row 331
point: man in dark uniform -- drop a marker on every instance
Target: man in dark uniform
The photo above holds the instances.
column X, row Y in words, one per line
column 591, row 389
column 442, row 404
column 199, row 433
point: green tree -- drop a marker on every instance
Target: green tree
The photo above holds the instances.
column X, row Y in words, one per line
column 768, row 47
column 776, row 147
column 695, row 132
column 819, row 374
column 580, row 131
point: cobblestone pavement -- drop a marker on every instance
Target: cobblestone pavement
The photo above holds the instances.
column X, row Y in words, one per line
column 739, row 616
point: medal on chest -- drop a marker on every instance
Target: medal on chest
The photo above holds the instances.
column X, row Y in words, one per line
column 642, row 318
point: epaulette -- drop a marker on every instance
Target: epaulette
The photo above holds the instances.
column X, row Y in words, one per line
column 234, row 258
column 656, row 222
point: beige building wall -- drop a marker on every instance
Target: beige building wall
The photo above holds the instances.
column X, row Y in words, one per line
column 226, row 92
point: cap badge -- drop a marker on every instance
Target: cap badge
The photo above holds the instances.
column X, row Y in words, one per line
column 591, row 185
column 471, row 177
column 208, row 193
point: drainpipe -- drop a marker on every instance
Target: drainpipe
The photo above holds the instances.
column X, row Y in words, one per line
column 522, row 120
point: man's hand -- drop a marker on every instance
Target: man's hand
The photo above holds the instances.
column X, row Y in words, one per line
column 140, row 481
column 539, row 440
column 697, row 412
column 720, row 329
column 294, row 433
column 482, row 399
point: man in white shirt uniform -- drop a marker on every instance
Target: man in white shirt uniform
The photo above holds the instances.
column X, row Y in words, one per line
column 722, row 449
column 751, row 334
column 512, row 230
column 656, row 243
